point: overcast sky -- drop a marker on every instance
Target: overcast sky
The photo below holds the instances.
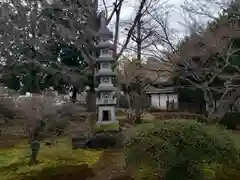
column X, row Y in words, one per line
column 176, row 19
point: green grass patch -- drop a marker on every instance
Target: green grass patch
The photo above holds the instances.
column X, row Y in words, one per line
column 106, row 127
column 14, row 161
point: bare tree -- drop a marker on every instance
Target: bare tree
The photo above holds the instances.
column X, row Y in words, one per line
column 135, row 78
column 40, row 117
column 214, row 50
column 140, row 35
column 205, row 8
column 127, row 76
column 36, row 112
column 201, row 59
column 7, row 112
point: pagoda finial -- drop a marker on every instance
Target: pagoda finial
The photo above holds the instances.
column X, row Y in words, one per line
column 104, row 32
column 103, row 20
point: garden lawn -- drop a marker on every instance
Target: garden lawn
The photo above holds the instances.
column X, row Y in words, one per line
column 14, row 161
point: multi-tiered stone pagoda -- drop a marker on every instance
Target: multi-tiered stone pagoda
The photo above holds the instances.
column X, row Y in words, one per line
column 106, row 101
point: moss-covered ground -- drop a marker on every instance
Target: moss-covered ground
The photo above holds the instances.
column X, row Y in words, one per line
column 106, row 127
column 14, row 160
column 61, row 160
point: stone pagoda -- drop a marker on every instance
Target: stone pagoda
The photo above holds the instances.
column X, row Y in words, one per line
column 105, row 74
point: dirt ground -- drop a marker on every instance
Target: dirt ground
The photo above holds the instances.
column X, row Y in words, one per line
column 110, row 167
column 11, row 141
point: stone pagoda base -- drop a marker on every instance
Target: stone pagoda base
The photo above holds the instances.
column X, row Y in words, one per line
column 106, row 115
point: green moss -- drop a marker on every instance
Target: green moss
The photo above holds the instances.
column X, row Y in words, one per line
column 106, row 127
column 209, row 170
column 144, row 172
column 228, row 172
column 14, row 161
column 72, row 172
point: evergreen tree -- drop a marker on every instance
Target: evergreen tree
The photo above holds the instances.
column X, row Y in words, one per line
column 43, row 44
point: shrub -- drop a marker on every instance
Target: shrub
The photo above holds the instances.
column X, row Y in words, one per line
column 105, row 140
column 72, row 111
column 179, row 115
column 231, row 120
column 43, row 117
column 178, row 149
column 228, row 172
column 7, row 109
column 123, row 103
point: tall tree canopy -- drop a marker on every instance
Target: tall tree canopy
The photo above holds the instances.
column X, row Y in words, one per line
column 46, row 43
column 209, row 61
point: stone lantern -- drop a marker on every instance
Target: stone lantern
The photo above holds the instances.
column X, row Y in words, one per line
column 106, row 100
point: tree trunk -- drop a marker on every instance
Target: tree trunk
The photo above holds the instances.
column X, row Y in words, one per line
column 116, row 31
column 74, row 94
column 139, row 40
column 210, row 108
column 91, row 101
column 138, row 94
column 93, row 24
column 138, row 118
column 225, row 105
column 129, row 106
column 91, row 108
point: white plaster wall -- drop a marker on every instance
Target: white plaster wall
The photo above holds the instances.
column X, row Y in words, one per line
column 163, row 101
column 155, row 100
column 162, row 104
column 173, row 97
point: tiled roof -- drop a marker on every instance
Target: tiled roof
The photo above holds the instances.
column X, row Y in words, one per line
column 152, row 90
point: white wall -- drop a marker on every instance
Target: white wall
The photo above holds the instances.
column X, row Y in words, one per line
column 160, row 100
column 173, row 97
column 155, row 100
column 163, row 101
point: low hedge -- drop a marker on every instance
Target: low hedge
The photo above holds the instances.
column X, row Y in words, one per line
column 178, row 149
column 103, row 140
column 231, row 120
column 228, row 172
column 178, row 115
